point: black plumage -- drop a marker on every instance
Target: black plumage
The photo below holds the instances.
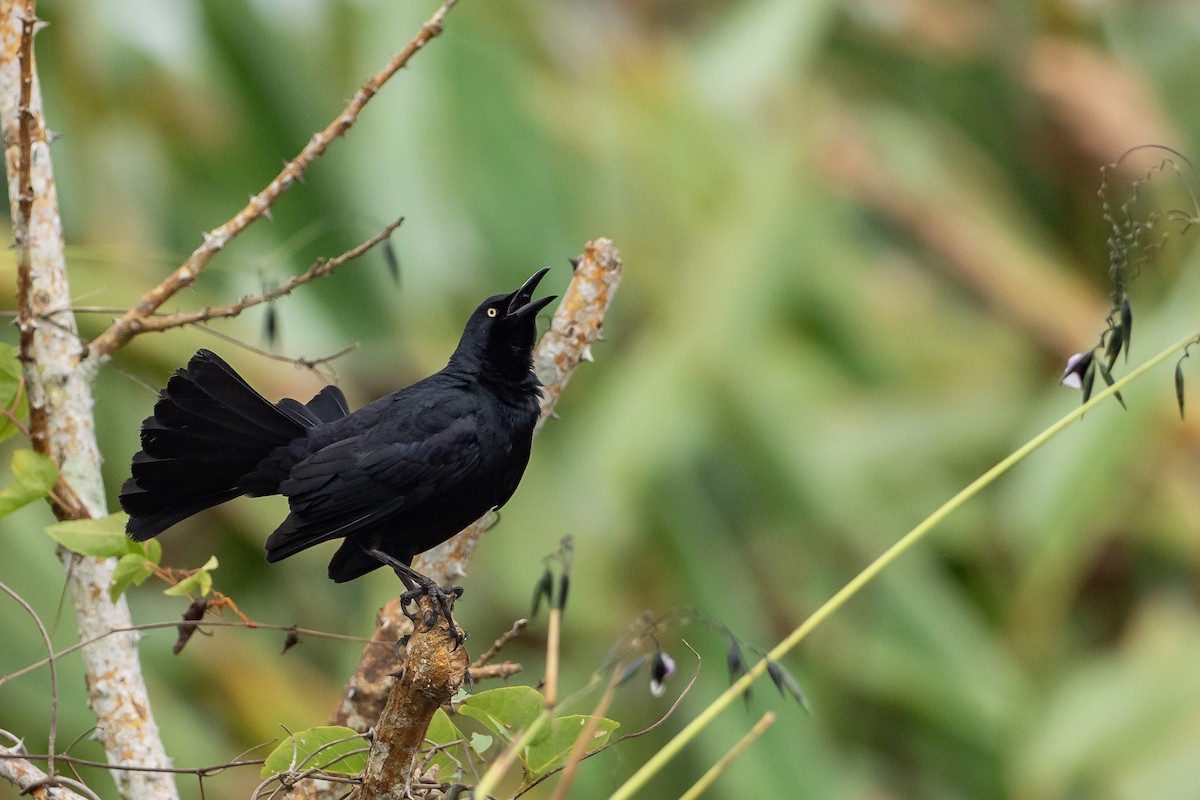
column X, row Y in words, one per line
column 392, row 479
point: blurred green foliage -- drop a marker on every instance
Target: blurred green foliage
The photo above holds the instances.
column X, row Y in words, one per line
column 860, row 240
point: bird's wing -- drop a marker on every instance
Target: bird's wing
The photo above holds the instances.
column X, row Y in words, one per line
column 355, row 482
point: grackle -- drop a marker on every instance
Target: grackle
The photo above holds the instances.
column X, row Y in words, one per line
column 392, row 479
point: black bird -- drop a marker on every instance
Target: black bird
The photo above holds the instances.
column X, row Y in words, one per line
column 393, row 479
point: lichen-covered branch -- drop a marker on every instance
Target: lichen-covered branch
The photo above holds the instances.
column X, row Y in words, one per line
column 134, row 321
column 60, row 403
column 576, row 325
column 29, row 779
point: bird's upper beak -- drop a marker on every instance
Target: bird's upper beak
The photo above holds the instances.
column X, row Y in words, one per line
column 522, row 303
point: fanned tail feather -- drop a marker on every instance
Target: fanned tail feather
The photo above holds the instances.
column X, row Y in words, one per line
column 201, row 446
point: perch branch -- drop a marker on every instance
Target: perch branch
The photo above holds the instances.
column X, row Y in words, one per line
column 133, row 321
column 432, row 670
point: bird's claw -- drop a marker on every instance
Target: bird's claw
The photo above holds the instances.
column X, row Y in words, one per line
column 442, row 598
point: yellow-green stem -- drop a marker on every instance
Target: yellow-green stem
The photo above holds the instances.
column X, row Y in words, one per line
column 501, row 765
column 718, row 769
column 640, row 778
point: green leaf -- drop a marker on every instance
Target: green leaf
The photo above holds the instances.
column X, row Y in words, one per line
column 132, row 569
column 504, row 710
column 1089, row 380
column 442, row 732
column 550, row 749
column 10, row 387
column 1116, row 340
column 1126, row 324
column 332, row 748
column 153, row 551
column 199, row 582
column 33, row 476
column 1108, row 378
column 102, row 538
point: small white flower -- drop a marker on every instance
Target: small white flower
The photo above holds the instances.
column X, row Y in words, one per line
column 661, row 668
column 1077, row 365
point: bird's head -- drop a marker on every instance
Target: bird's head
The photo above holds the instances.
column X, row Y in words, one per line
column 500, row 335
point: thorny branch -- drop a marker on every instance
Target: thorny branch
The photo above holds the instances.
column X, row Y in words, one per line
column 60, row 403
column 149, row 626
column 16, row 767
column 319, row 269
column 134, row 321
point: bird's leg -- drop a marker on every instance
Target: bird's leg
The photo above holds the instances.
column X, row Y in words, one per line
column 418, row 585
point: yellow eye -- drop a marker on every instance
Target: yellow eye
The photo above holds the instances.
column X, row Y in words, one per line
column 491, row 312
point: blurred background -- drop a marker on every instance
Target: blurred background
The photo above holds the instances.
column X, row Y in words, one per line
column 860, row 240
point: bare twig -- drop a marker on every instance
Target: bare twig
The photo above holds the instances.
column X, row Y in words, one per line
column 50, row 737
column 10, row 412
column 36, row 226
column 149, row 626
column 132, row 322
column 576, row 325
column 304, row 362
column 504, row 670
column 500, row 643
column 323, row 267
column 211, row 769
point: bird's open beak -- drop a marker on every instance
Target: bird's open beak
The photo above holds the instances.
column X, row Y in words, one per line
column 522, row 302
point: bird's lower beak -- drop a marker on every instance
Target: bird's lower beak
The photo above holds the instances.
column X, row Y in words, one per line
column 522, row 302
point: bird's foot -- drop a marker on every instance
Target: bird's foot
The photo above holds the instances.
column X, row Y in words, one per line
column 417, row 586
column 441, row 598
